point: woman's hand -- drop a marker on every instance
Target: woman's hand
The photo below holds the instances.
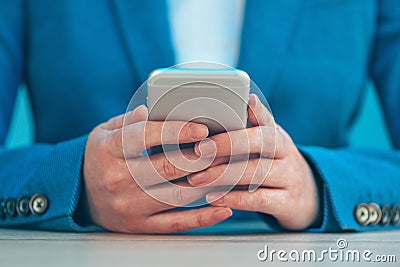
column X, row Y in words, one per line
column 116, row 202
column 288, row 190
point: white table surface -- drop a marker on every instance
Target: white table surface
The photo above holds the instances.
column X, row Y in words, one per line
column 39, row 248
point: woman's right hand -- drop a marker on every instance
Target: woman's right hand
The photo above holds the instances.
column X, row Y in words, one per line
column 116, row 202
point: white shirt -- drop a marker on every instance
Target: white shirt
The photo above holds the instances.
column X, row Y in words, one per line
column 206, row 30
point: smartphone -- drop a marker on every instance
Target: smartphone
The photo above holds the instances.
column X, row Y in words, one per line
column 217, row 98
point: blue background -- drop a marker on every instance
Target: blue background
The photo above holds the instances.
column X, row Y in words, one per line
column 369, row 130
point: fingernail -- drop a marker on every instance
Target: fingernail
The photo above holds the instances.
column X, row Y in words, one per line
column 206, row 148
column 198, row 131
column 198, row 178
column 252, row 100
column 223, row 213
column 215, row 199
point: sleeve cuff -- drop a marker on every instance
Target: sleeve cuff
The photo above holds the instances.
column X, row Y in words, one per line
column 56, row 173
column 328, row 223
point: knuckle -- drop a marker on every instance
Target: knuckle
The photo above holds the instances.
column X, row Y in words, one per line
column 240, row 201
column 281, row 131
column 134, row 134
column 169, row 170
column 176, row 226
column 111, row 122
column 257, row 136
column 282, row 138
column 177, row 196
column 278, row 127
column 169, row 132
column 137, row 132
column 200, row 221
column 112, row 183
column 185, row 131
column 111, row 186
column 105, row 142
column 279, row 141
column 264, row 201
column 264, row 131
column 212, row 173
column 110, row 143
column 263, row 169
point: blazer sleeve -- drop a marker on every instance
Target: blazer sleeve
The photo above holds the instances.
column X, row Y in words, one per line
column 42, row 174
column 360, row 187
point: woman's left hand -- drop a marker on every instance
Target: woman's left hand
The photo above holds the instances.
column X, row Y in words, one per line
column 287, row 191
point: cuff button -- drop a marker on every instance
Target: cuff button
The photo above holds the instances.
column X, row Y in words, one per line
column 361, row 214
column 395, row 214
column 10, row 207
column 23, row 205
column 386, row 215
column 2, row 213
column 375, row 214
column 38, row 204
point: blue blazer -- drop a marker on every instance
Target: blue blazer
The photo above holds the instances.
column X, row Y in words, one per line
column 82, row 60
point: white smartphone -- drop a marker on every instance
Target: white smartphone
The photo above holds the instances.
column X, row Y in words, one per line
column 217, row 98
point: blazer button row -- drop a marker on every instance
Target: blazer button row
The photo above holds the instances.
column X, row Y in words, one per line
column 372, row 214
column 25, row 205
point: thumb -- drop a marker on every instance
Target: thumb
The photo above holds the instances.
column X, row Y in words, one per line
column 258, row 114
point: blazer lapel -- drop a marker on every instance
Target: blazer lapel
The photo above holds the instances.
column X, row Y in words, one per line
column 144, row 29
column 268, row 30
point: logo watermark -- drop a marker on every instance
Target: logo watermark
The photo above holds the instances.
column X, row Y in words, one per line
column 339, row 253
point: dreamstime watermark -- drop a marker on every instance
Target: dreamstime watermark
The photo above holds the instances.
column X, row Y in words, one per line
column 340, row 253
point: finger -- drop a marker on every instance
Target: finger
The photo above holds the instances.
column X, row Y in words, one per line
column 271, row 201
column 163, row 167
column 179, row 221
column 261, row 140
column 141, row 114
column 258, row 114
column 170, row 195
column 136, row 115
column 252, row 172
column 135, row 138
